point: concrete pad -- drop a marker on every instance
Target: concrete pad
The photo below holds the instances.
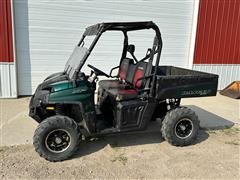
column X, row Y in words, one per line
column 17, row 128
column 215, row 112
column 15, row 125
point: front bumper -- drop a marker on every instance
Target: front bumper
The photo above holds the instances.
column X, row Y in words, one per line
column 40, row 97
column 36, row 104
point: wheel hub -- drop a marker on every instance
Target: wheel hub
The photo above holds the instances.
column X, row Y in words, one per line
column 184, row 128
column 58, row 141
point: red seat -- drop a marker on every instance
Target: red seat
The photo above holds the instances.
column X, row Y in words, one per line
column 122, row 74
column 120, row 94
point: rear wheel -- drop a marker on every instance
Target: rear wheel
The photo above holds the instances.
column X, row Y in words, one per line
column 180, row 126
column 57, row 138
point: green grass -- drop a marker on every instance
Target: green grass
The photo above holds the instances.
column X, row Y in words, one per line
column 231, row 131
column 212, row 131
column 115, row 146
column 5, row 148
column 233, row 142
column 227, row 131
column 121, row 158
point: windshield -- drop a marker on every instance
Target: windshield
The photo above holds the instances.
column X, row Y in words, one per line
column 78, row 56
column 75, row 61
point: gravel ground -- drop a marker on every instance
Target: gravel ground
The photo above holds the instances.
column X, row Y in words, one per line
column 215, row 155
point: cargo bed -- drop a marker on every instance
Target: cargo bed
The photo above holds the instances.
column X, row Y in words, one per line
column 175, row 82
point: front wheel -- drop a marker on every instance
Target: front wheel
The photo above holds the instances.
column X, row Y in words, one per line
column 56, row 138
column 180, row 126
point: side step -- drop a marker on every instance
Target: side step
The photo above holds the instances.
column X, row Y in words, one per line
column 232, row 90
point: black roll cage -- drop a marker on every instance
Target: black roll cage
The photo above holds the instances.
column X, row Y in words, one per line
column 100, row 28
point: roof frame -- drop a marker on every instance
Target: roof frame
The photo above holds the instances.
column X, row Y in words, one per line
column 118, row 26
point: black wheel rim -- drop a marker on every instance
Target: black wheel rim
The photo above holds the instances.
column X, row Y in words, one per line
column 184, row 128
column 58, row 141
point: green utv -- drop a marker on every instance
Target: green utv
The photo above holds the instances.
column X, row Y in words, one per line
column 142, row 91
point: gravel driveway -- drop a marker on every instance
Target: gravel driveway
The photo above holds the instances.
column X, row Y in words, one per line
column 139, row 156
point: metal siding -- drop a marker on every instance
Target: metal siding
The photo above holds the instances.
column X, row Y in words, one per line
column 6, row 43
column 8, row 87
column 47, row 31
column 218, row 32
column 217, row 41
column 227, row 72
column 7, row 80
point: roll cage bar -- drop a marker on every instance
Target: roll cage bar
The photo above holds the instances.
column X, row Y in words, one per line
column 100, row 28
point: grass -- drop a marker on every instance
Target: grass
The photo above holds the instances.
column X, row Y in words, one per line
column 5, row 148
column 115, row 146
column 227, row 131
column 212, row 131
column 233, row 142
column 121, row 158
column 231, row 131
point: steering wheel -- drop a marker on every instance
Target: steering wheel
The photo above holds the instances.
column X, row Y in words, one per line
column 97, row 71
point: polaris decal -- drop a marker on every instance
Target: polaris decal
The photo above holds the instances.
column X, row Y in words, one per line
column 196, row 92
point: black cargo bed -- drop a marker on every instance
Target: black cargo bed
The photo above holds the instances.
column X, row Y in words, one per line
column 175, row 82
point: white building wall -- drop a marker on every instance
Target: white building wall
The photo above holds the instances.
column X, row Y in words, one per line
column 8, row 80
column 47, row 31
column 227, row 72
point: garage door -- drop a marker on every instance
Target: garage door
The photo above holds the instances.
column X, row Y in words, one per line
column 47, row 31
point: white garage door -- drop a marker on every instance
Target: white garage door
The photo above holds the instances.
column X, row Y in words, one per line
column 47, row 31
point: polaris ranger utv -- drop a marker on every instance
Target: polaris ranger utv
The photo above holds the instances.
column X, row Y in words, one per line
column 142, row 91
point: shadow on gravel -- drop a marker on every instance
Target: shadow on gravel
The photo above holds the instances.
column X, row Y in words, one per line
column 210, row 121
column 150, row 136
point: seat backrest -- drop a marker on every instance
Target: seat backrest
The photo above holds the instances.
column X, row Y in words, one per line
column 124, row 68
column 140, row 71
column 131, row 73
column 136, row 71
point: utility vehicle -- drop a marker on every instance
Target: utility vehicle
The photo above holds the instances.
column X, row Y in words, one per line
column 142, row 91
